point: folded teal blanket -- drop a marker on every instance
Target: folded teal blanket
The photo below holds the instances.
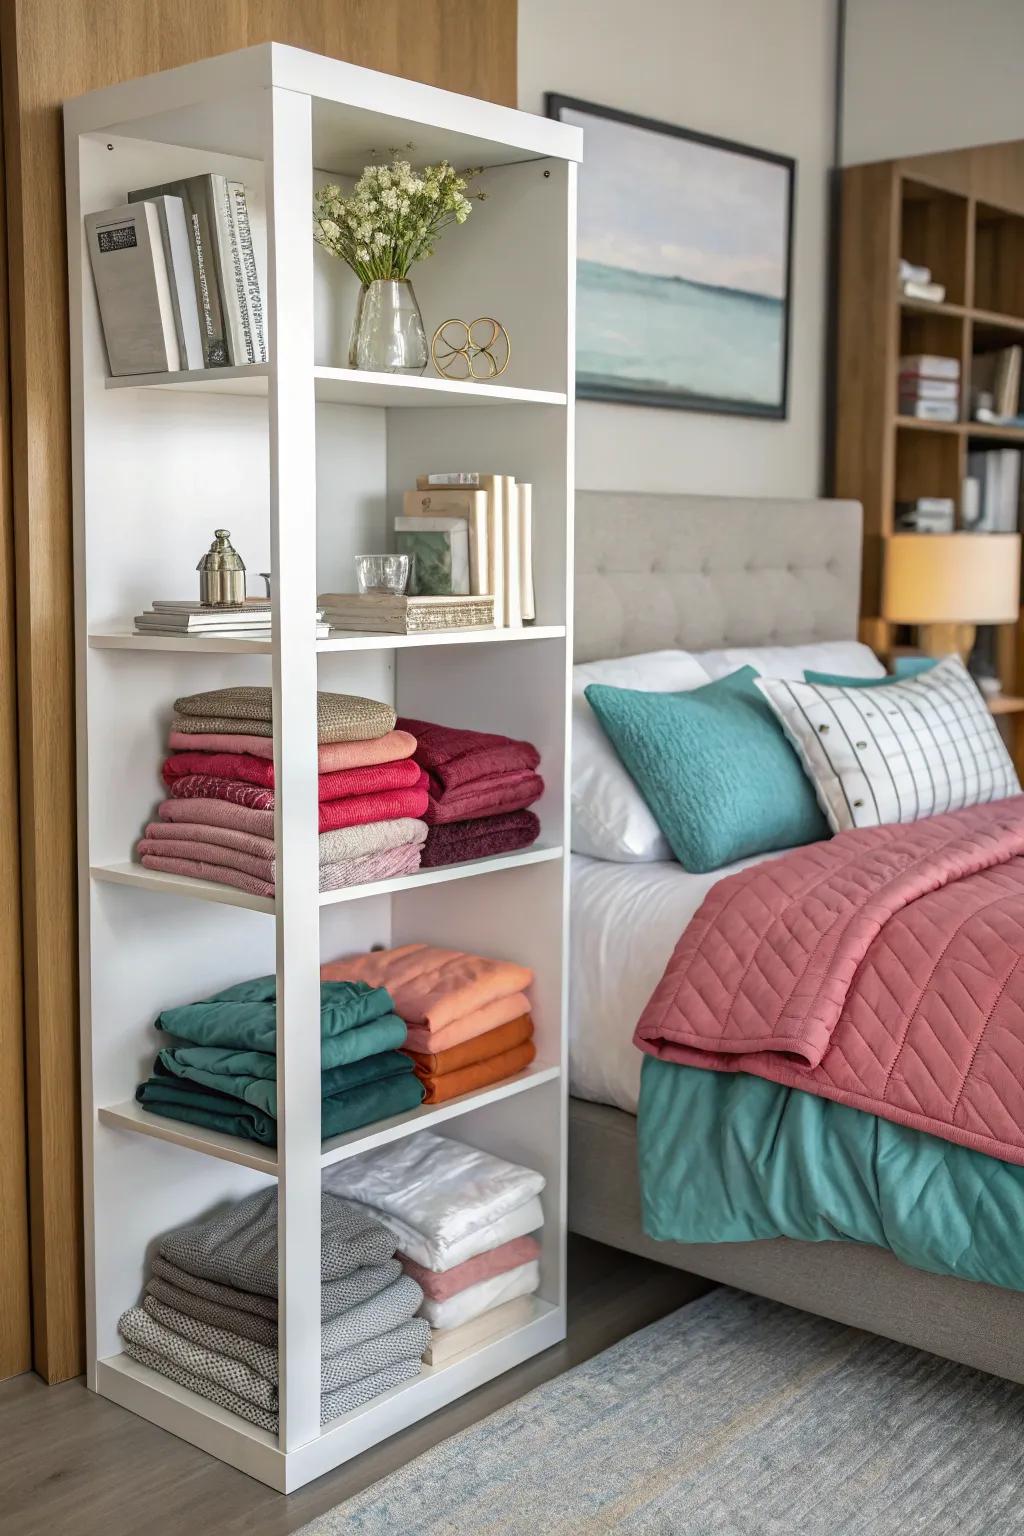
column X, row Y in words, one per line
column 244, row 1017
column 339, row 1112
column 250, row 1075
column 727, row 1158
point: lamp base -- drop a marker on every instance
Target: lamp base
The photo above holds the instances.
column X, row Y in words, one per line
column 940, row 640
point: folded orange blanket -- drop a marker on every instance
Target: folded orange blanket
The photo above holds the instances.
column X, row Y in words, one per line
column 492, row 1043
column 432, row 1042
column 480, row 1075
column 433, row 986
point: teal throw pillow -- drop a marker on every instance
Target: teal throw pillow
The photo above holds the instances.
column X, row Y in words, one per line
column 718, row 775
column 904, row 667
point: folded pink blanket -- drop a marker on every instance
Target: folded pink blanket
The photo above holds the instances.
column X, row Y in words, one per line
column 204, row 845
column 386, row 864
column 237, row 826
column 483, row 838
column 439, row 1284
column 485, row 797
column 454, row 757
column 242, row 768
column 333, row 756
column 353, row 811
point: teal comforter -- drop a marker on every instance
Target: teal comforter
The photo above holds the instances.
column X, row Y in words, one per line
column 725, row 1158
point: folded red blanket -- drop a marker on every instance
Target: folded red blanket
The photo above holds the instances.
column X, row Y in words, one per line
column 245, row 769
column 480, row 839
column 352, row 811
column 453, row 757
column 485, row 798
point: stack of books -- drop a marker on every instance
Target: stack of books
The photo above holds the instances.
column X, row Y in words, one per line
column 995, row 385
column 394, row 614
column 179, row 616
column 916, row 283
column 926, row 514
column 176, row 278
column 929, row 387
column 470, row 534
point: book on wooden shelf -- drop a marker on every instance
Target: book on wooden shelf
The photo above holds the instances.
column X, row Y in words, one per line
column 927, row 514
column 447, row 477
column 929, row 365
column 917, row 386
column 438, row 550
column 924, row 293
column 998, row 374
column 133, row 290
column 929, row 410
column 470, row 505
column 384, row 613
column 914, row 272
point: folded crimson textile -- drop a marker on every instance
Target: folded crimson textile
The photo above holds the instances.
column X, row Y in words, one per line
column 434, row 986
column 454, row 756
column 353, row 811
column 333, row 876
column 345, row 844
column 333, row 756
column 456, row 841
column 242, row 768
column 481, row 1074
column 485, row 797
column 204, row 864
column 492, row 1043
column 248, row 711
column 439, row 1284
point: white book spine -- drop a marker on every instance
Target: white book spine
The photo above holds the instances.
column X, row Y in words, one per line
column 513, row 595
column 526, row 587
column 232, row 285
column 494, row 485
column 178, row 255
column 251, row 277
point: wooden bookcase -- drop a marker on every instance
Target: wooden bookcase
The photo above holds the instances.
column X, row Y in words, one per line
column 306, row 462
column 962, row 215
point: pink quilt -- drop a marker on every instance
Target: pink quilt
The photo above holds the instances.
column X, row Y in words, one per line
column 332, row 756
column 883, row 969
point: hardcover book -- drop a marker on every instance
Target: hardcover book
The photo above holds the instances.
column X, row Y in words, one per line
column 385, row 614
column 133, row 289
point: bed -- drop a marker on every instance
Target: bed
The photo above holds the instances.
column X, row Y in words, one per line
column 696, row 573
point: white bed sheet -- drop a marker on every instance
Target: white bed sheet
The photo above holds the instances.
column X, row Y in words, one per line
column 625, row 921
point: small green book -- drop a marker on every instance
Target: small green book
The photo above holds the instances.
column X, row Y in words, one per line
column 438, row 550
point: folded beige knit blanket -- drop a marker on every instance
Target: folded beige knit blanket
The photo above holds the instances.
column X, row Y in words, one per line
column 248, row 711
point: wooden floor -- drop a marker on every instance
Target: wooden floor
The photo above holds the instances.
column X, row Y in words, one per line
column 72, row 1464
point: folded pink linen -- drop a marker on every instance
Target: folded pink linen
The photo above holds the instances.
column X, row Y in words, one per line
column 241, row 768
column 218, row 813
column 386, row 864
column 205, row 845
column 439, row 1284
column 236, row 826
column 352, row 811
column 333, row 756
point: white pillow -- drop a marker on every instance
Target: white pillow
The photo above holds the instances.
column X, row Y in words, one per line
column 610, row 819
column 895, row 753
column 844, row 658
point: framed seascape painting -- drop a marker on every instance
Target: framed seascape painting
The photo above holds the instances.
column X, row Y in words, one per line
column 683, row 266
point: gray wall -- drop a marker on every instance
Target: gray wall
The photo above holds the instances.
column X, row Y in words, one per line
column 758, row 72
column 925, row 75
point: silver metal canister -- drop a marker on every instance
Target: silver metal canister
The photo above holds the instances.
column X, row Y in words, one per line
column 221, row 574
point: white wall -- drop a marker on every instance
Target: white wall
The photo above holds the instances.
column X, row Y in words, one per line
column 925, row 75
column 761, row 73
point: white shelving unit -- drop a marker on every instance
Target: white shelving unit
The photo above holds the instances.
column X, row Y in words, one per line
column 305, row 461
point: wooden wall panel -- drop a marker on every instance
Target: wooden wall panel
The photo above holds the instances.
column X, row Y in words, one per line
column 50, row 50
column 15, row 1311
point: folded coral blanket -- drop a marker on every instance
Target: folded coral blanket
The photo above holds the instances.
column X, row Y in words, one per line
column 443, row 1200
column 465, row 1305
column 433, row 986
column 425, row 1040
column 482, row 838
column 238, row 1246
column 438, row 1285
column 354, row 810
column 248, row 711
column 481, row 1074
column 243, row 769
column 335, row 846
column 332, row 756
column 187, row 857
column 493, row 1043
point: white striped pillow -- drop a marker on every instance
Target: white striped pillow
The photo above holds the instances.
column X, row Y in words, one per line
column 895, row 752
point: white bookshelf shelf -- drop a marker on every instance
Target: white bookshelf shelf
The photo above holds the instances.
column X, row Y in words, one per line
column 347, row 386
column 307, row 479
column 128, row 873
column 130, row 1116
column 338, row 640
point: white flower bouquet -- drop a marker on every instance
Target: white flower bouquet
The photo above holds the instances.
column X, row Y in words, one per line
column 392, row 217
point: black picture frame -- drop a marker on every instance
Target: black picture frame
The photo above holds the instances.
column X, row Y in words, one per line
column 555, row 105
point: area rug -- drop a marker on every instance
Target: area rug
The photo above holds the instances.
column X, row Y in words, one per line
column 732, row 1417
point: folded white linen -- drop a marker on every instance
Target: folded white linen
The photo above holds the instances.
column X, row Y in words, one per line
column 444, row 1201
column 465, row 1305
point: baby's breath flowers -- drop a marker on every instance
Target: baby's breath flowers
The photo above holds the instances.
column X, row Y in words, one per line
column 392, row 217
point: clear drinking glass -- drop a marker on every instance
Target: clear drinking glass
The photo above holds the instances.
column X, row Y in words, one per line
column 382, row 574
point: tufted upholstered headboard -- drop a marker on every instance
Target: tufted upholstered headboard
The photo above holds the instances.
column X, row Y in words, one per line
column 697, row 573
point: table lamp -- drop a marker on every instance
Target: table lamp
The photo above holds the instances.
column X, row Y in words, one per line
column 948, row 583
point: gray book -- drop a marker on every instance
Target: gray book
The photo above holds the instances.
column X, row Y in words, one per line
column 178, row 258
column 199, row 198
column 133, row 290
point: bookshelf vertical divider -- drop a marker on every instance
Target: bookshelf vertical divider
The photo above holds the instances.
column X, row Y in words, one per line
column 306, row 462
